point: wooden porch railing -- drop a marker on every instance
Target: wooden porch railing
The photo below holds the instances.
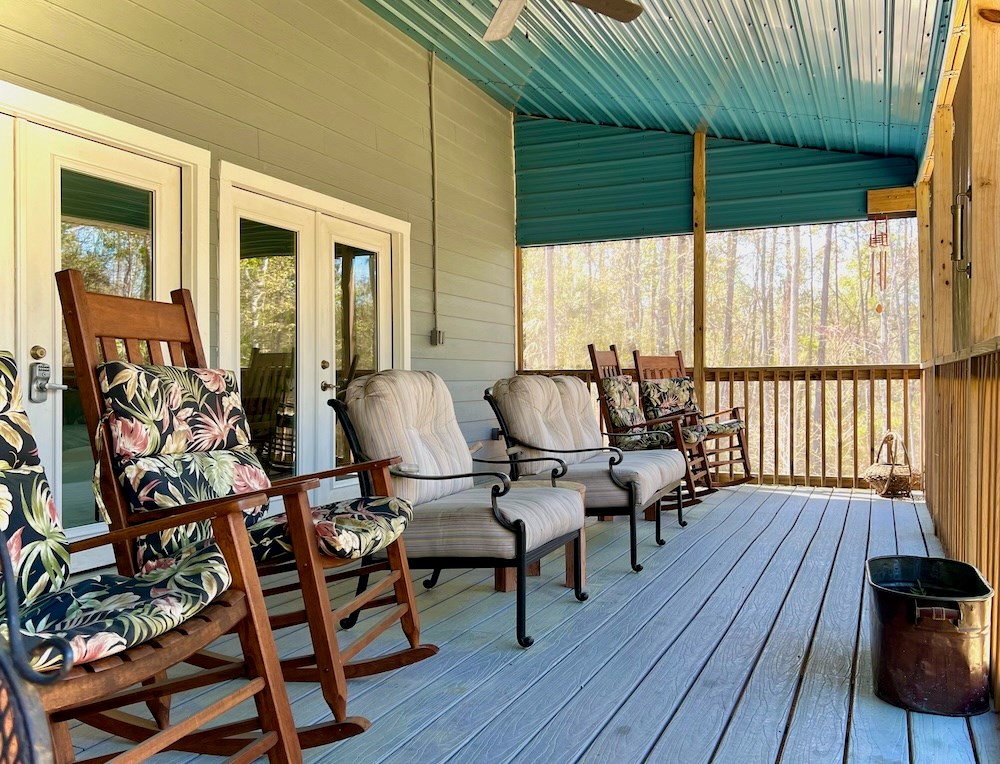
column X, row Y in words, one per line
column 816, row 425
column 963, row 454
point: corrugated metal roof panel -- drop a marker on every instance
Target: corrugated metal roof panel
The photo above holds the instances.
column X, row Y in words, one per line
column 591, row 183
column 851, row 75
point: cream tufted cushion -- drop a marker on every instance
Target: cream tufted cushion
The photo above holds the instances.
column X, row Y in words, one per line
column 549, row 412
column 410, row 414
column 463, row 524
column 558, row 412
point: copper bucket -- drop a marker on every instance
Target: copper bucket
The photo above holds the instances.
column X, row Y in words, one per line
column 930, row 634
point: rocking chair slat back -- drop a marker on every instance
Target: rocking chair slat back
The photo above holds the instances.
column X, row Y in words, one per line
column 659, row 366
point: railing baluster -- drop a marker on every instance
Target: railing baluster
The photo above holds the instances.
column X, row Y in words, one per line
column 760, row 421
column 822, row 419
column 777, row 424
column 840, row 430
column 808, row 428
column 854, row 437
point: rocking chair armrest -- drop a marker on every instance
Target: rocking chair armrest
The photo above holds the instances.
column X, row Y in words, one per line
column 677, row 416
column 733, row 413
column 290, row 485
column 190, row 513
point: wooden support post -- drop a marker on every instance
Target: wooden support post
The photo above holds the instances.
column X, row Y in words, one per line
column 941, row 230
column 924, row 255
column 984, row 48
column 699, row 221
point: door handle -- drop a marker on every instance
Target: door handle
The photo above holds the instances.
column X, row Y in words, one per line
column 39, row 384
column 324, row 386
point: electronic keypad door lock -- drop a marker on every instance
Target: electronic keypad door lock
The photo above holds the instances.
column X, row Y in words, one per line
column 39, row 384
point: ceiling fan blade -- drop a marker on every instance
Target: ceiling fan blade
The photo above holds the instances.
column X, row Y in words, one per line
column 619, row 10
column 504, row 19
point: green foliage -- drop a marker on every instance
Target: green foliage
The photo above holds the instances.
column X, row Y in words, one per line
column 777, row 296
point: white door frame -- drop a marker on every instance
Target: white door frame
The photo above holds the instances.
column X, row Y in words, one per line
column 8, row 292
column 234, row 176
column 195, row 164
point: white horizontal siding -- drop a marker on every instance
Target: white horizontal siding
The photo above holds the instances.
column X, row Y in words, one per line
column 324, row 94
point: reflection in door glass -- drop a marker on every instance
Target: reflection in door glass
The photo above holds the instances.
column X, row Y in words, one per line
column 267, row 341
column 107, row 234
column 356, row 321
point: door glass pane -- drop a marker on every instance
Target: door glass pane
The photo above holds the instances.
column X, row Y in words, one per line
column 356, row 320
column 107, row 234
column 267, row 340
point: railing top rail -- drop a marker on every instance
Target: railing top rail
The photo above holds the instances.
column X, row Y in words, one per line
column 716, row 373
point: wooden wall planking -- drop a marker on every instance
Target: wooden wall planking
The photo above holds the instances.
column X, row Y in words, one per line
column 984, row 49
column 324, row 94
column 941, row 244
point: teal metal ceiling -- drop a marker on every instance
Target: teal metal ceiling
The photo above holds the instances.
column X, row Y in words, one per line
column 844, row 75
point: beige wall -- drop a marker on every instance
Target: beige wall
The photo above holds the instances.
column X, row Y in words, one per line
column 324, row 94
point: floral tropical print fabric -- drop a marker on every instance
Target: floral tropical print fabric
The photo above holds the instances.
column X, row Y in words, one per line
column 17, row 445
column 625, row 414
column 107, row 614
column 348, row 529
column 662, row 397
column 36, row 542
column 179, row 435
column 102, row 615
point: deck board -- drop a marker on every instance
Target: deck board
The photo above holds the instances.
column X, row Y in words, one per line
column 759, row 722
column 744, row 639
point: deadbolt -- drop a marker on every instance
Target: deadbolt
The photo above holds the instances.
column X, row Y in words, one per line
column 324, row 364
column 37, row 352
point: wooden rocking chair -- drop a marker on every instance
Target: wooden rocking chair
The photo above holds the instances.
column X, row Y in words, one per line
column 665, row 385
column 629, row 429
column 307, row 540
column 122, row 633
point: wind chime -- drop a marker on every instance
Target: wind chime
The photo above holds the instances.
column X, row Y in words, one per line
column 879, row 243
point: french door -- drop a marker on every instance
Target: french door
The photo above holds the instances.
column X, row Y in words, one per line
column 115, row 216
column 315, row 311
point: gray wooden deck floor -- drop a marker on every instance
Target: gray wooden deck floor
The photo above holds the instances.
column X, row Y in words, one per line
column 743, row 640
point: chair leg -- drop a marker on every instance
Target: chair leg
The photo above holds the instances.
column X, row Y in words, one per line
column 430, row 583
column 257, row 642
column 633, row 535
column 347, row 623
column 659, row 522
column 578, row 555
column 62, row 743
column 159, row 707
column 322, row 629
column 410, row 620
column 680, row 507
column 521, row 564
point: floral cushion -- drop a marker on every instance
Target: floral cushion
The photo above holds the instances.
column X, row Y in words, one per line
column 35, row 539
column 642, row 440
column 349, row 529
column 155, row 410
column 107, row 614
column 722, row 429
column 195, row 419
column 662, row 397
column 179, row 436
column 17, row 445
column 623, row 409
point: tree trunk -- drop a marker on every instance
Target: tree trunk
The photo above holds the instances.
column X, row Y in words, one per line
column 550, row 308
column 824, row 300
column 793, row 299
column 727, row 333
